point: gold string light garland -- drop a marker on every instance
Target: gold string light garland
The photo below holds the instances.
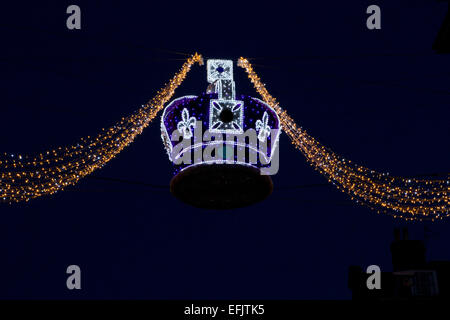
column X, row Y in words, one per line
column 410, row 199
column 26, row 177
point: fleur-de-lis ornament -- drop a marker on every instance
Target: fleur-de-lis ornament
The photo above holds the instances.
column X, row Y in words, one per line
column 184, row 126
column 263, row 128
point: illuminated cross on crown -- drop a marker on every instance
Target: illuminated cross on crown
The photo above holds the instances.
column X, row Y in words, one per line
column 225, row 113
column 221, row 145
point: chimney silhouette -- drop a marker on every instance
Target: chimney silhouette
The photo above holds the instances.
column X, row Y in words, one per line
column 407, row 254
column 396, row 234
column 405, row 234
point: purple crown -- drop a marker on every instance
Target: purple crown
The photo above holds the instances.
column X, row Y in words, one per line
column 217, row 128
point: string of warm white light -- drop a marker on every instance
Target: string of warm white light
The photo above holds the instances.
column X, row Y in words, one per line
column 26, row 177
column 411, row 199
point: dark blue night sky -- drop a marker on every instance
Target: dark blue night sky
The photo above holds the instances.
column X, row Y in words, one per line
column 380, row 98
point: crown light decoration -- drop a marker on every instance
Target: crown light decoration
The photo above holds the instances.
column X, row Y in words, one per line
column 221, row 147
column 25, row 177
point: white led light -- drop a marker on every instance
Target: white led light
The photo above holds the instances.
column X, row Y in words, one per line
column 219, row 70
column 226, row 89
column 164, row 134
column 263, row 128
column 256, row 150
column 216, row 123
column 185, row 125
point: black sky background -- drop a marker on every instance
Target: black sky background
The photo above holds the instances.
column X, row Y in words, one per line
column 380, row 98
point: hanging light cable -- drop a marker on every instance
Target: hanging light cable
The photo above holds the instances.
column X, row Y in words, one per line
column 24, row 177
column 408, row 198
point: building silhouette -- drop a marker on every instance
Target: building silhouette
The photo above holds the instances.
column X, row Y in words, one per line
column 442, row 42
column 412, row 278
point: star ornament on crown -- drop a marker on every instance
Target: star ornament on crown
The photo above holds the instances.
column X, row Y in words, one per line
column 226, row 116
column 219, row 70
column 217, row 143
